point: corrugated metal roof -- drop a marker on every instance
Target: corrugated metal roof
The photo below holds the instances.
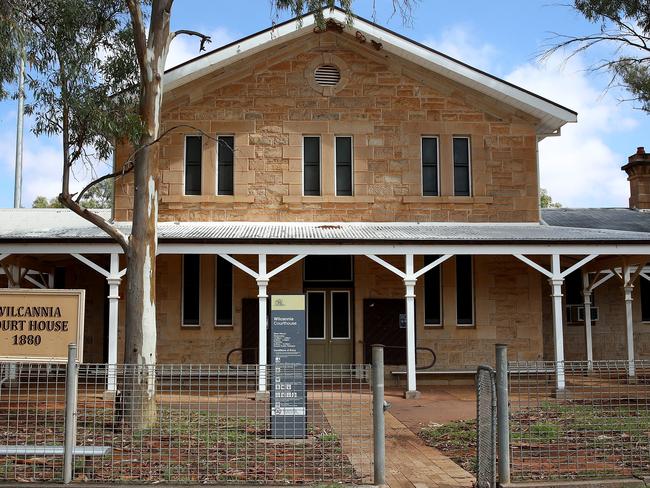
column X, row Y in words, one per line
column 38, row 225
column 598, row 218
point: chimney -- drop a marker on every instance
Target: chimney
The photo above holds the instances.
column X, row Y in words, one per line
column 638, row 174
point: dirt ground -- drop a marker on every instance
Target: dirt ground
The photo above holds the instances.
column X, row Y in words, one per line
column 438, row 404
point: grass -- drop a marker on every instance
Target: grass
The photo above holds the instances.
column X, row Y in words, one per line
column 456, row 439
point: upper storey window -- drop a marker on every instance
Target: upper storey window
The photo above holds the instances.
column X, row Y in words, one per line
column 311, row 165
column 462, row 173
column 193, row 156
column 344, row 166
column 225, row 163
column 430, row 166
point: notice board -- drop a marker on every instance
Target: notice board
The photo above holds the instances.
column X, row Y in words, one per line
column 288, row 395
column 38, row 325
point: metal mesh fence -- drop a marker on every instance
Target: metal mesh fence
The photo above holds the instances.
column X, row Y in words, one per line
column 485, row 427
column 202, row 424
column 598, row 427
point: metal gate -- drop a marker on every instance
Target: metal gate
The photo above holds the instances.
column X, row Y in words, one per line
column 486, row 427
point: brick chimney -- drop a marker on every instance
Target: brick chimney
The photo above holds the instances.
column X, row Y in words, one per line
column 638, row 174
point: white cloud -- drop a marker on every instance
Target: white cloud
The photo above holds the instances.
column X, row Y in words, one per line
column 42, row 166
column 579, row 168
column 459, row 42
column 185, row 47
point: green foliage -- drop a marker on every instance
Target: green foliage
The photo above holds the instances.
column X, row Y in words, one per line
column 80, row 71
column 545, row 200
column 624, row 25
column 300, row 8
column 98, row 196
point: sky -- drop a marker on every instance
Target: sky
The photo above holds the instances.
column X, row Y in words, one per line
column 504, row 37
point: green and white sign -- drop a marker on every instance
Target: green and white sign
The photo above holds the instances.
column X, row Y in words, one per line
column 288, row 395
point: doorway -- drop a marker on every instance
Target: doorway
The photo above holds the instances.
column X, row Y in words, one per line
column 329, row 326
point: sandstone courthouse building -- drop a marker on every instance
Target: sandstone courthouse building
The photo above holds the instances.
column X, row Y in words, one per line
column 396, row 187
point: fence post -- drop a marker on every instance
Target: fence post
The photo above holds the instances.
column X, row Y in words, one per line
column 69, row 440
column 379, row 440
column 503, row 414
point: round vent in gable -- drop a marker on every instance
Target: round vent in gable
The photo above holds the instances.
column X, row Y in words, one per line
column 327, row 75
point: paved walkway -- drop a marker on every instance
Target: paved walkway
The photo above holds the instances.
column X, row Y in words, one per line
column 411, row 463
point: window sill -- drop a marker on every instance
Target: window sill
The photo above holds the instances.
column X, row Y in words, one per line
column 433, row 326
column 446, row 199
column 327, row 199
column 224, row 327
column 207, row 199
column 190, row 326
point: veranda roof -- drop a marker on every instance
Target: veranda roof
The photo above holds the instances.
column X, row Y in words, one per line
column 57, row 225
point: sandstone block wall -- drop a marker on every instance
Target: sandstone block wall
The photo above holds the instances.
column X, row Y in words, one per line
column 268, row 102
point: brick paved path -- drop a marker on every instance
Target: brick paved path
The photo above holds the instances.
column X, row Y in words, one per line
column 411, row 463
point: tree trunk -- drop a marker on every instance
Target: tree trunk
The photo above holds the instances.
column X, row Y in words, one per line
column 140, row 327
column 140, row 343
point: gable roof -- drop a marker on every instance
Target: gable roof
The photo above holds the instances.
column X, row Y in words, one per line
column 552, row 115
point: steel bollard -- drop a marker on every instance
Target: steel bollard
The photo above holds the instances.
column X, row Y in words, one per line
column 69, row 441
column 503, row 414
column 378, row 408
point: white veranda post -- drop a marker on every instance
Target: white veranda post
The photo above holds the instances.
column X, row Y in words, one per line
column 628, row 287
column 262, row 284
column 113, row 279
column 588, row 338
column 409, row 283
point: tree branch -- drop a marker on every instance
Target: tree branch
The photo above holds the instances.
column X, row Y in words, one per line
column 96, row 219
column 204, row 38
column 139, row 36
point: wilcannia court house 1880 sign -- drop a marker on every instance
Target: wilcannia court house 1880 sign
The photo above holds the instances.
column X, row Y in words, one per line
column 38, row 325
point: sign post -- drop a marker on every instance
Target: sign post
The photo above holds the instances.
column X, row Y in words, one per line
column 38, row 325
column 288, row 395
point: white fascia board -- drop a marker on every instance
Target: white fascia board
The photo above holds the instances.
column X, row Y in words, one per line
column 60, row 248
column 238, row 50
column 401, row 249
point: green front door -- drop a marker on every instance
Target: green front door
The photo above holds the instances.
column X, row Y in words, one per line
column 329, row 326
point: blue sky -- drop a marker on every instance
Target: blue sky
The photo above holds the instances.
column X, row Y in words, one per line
column 580, row 168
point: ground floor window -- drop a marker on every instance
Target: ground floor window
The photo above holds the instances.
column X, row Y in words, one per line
column 644, row 286
column 223, row 292
column 191, row 289
column 432, row 294
column 464, row 291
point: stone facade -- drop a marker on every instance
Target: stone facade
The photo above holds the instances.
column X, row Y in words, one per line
column 268, row 102
column 387, row 104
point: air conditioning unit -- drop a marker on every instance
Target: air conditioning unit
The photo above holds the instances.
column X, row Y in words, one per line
column 594, row 314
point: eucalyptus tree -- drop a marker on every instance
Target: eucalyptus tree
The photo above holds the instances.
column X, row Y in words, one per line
column 95, row 76
column 623, row 27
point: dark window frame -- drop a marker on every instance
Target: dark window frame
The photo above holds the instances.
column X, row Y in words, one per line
column 429, row 193
column 472, row 322
column 428, row 276
column 455, row 164
column 194, row 323
column 644, row 290
column 337, row 191
column 349, row 321
column 218, row 322
column 192, row 192
column 313, row 282
column 311, row 192
column 219, row 165
column 307, row 330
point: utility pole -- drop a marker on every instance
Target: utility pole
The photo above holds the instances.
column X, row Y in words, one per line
column 18, row 182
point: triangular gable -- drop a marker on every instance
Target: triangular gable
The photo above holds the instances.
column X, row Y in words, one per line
column 551, row 115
